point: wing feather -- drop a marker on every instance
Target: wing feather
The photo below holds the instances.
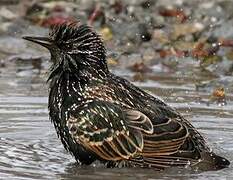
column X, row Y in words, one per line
column 115, row 134
column 109, row 131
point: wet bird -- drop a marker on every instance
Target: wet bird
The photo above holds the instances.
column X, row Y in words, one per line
column 100, row 116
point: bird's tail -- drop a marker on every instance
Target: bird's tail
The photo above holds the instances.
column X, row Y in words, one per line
column 211, row 161
column 220, row 162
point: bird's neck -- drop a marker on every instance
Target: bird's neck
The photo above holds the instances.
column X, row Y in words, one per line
column 85, row 67
column 80, row 73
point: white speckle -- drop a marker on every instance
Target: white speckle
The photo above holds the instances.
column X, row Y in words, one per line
column 111, row 124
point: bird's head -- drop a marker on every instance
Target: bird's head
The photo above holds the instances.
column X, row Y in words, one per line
column 73, row 47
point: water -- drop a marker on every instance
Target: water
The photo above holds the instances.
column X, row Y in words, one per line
column 30, row 149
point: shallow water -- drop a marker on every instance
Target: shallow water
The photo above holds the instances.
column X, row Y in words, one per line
column 30, row 149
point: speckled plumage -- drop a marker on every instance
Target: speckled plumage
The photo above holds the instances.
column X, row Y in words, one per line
column 100, row 116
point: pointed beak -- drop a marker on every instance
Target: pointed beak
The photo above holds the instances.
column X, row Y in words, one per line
column 43, row 41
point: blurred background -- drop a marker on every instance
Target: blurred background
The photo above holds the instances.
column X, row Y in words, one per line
column 179, row 50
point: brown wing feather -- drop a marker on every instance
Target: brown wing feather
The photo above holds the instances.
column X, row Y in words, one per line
column 165, row 147
column 115, row 134
column 165, row 140
column 120, row 138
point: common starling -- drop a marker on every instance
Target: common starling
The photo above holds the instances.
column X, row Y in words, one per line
column 101, row 116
